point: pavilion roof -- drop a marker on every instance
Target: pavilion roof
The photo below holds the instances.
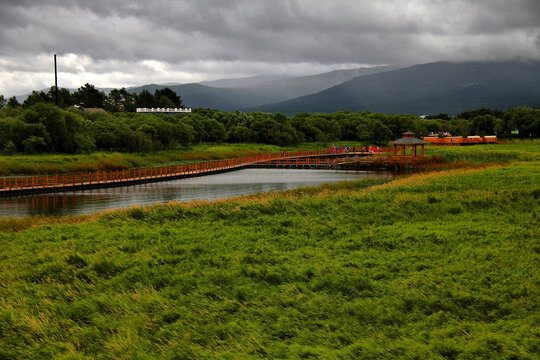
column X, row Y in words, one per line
column 409, row 141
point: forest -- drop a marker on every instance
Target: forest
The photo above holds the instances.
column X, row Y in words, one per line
column 39, row 126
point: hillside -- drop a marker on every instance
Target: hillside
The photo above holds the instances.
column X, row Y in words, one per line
column 233, row 98
column 244, row 81
column 428, row 88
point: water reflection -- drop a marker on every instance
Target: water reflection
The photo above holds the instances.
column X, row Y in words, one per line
column 212, row 187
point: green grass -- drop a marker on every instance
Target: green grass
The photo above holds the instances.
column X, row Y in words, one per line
column 61, row 163
column 440, row 265
column 521, row 150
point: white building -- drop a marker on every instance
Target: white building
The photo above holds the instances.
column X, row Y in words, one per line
column 163, row 110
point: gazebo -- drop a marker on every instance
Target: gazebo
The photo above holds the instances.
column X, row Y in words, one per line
column 407, row 140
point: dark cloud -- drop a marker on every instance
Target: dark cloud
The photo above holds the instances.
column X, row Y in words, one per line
column 121, row 35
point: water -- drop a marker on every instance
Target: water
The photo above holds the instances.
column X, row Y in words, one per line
column 211, row 187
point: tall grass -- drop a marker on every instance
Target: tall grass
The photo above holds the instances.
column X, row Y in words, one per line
column 441, row 265
column 522, row 150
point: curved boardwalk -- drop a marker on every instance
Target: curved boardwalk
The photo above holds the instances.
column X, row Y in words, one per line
column 101, row 179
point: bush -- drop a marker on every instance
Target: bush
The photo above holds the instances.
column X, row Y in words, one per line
column 9, row 148
column 34, row 145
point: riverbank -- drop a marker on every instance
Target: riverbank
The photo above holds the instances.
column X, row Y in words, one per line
column 432, row 265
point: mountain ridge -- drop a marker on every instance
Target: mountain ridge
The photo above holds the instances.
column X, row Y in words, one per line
column 197, row 95
column 449, row 87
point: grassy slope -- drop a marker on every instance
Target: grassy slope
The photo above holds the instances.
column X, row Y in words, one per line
column 438, row 265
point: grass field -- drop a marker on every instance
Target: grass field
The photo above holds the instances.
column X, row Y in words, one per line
column 438, row 265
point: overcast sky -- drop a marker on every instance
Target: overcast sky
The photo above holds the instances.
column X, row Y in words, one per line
column 117, row 43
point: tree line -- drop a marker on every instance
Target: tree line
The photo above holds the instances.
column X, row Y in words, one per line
column 88, row 96
column 46, row 128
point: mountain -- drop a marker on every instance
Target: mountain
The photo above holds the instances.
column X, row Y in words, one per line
column 243, row 82
column 426, row 89
column 233, row 98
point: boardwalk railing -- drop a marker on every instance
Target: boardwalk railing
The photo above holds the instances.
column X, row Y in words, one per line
column 357, row 159
column 66, row 181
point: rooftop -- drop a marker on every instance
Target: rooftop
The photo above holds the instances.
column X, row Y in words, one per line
column 409, row 141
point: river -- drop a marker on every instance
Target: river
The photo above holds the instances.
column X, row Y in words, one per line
column 210, row 187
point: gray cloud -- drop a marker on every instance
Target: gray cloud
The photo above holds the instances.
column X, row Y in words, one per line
column 139, row 41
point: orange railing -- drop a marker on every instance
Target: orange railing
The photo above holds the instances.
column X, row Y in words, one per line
column 46, row 182
column 119, row 176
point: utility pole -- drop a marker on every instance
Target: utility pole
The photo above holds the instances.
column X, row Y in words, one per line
column 55, row 82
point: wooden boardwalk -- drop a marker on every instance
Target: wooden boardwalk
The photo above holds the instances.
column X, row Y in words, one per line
column 13, row 186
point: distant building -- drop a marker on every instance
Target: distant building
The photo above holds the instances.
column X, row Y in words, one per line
column 163, row 110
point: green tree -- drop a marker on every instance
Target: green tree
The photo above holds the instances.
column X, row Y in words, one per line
column 398, row 124
column 525, row 120
column 241, row 134
column 34, row 145
column 270, row 131
column 183, row 133
column 306, row 125
column 3, row 101
column 164, row 102
column 441, row 116
column 348, row 123
column 486, row 125
column 65, row 99
column 216, row 130
column 128, row 101
column 36, row 97
column 145, row 100
column 167, row 97
column 16, row 131
column 119, row 100
column 12, row 102
column 330, row 129
column 9, row 148
column 53, row 120
column 88, row 96
column 374, row 131
column 483, row 111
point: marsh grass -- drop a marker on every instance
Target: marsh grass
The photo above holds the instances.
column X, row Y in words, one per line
column 522, row 150
column 438, row 265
